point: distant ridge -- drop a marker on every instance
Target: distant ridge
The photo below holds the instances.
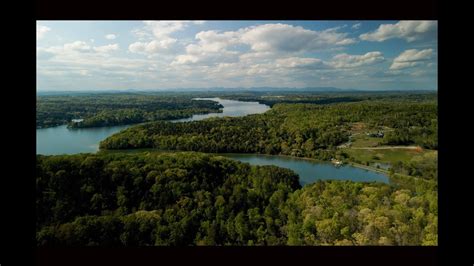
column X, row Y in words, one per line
column 316, row 89
column 223, row 89
column 266, row 89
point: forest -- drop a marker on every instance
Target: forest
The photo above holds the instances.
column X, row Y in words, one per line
column 302, row 130
column 174, row 194
column 271, row 98
column 190, row 198
column 100, row 110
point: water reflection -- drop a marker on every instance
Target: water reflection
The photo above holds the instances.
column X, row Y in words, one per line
column 309, row 170
column 61, row 140
column 231, row 108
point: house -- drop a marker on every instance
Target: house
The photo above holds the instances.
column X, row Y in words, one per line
column 77, row 120
column 379, row 134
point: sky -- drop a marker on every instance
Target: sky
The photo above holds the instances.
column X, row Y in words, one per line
column 154, row 55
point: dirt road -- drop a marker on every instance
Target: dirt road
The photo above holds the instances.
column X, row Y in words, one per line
column 387, row 148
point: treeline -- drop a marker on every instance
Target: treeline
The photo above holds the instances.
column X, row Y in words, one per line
column 272, row 98
column 198, row 199
column 99, row 110
column 307, row 130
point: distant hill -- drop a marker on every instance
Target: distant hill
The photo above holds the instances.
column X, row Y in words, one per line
column 266, row 89
column 216, row 89
column 222, row 89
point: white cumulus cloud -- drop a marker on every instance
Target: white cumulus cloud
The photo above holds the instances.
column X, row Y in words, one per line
column 411, row 58
column 211, row 47
column 300, row 62
column 348, row 61
column 156, row 36
column 106, row 48
column 151, row 47
column 266, row 40
column 408, row 30
column 110, row 36
column 288, row 38
column 79, row 46
column 41, row 31
column 356, row 26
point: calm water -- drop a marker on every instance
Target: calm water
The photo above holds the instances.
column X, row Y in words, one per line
column 311, row 171
column 61, row 140
column 231, row 108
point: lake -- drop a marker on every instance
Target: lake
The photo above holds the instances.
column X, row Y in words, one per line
column 231, row 108
column 62, row 140
column 311, row 170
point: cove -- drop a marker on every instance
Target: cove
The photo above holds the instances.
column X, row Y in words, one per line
column 311, row 170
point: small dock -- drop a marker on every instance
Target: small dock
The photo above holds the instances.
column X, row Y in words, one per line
column 336, row 162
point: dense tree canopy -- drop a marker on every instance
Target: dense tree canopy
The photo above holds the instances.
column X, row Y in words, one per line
column 314, row 97
column 169, row 199
column 198, row 199
column 307, row 130
column 191, row 198
column 349, row 213
column 100, row 110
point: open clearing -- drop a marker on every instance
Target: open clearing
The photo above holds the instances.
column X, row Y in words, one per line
column 389, row 148
column 388, row 154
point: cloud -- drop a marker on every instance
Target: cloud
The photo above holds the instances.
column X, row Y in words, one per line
column 106, row 48
column 287, row 38
column 348, row 61
column 339, row 61
column 41, row 31
column 137, row 47
column 213, row 41
column 75, row 52
column 79, row 46
column 151, row 47
column 411, row 58
column 156, row 36
column 211, row 47
column 268, row 40
column 162, row 29
column 206, row 58
column 184, row 59
column 356, row 26
column 299, row 62
column 110, row 36
column 408, row 30
column 274, row 54
column 77, row 59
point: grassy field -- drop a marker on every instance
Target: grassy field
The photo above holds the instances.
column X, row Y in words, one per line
column 362, row 140
column 389, row 155
column 359, row 136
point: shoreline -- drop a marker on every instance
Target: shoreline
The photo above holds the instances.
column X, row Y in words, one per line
column 361, row 166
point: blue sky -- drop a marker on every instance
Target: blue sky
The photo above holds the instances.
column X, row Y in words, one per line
column 104, row 55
